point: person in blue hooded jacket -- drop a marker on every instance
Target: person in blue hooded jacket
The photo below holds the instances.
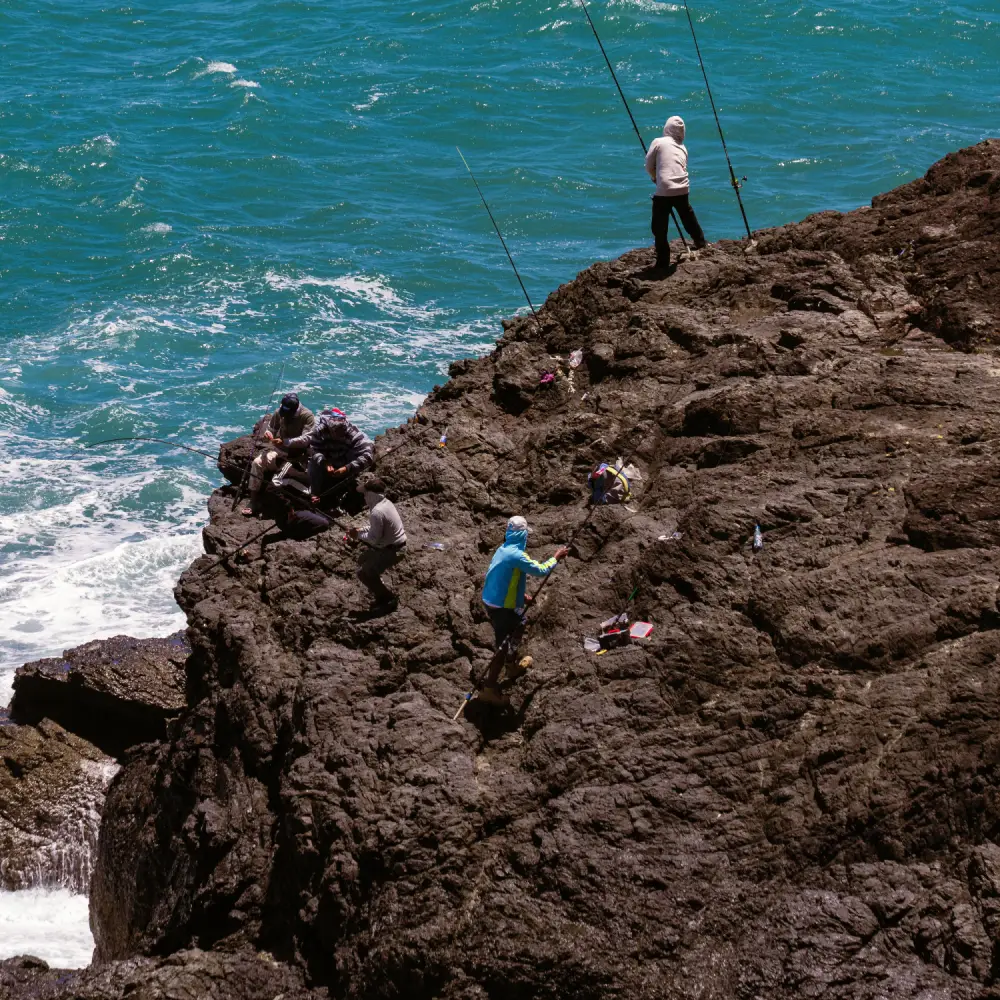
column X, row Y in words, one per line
column 503, row 591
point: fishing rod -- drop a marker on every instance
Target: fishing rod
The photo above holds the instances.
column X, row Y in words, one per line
column 256, row 438
column 172, row 444
column 513, row 639
column 732, row 174
column 621, row 94
column 497, row 228
column 332, row 521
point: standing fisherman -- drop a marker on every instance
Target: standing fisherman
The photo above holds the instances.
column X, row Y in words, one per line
column 666, row 164
column 503, row 595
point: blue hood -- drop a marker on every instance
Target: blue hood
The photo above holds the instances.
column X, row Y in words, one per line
column 518, row 538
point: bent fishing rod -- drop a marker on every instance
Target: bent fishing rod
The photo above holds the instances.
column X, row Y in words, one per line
column 621, row 94
column 732, row 174
column 172, row 444
column 497, row 228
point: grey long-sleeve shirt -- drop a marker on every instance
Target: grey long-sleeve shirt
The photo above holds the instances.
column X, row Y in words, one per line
column 386, row 527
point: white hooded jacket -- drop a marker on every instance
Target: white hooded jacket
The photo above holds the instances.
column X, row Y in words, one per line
column 667, row 160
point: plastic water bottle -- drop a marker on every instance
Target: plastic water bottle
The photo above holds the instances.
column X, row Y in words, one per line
column 758, row 538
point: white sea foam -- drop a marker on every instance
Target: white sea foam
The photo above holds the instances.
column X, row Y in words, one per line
column 374, row 96
column 157, row 227
column 248, row 84
column 218, row 67
column 355, row 289
column 51, row 605
column 52, row 924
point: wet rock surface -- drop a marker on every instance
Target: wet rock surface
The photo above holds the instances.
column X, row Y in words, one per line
column 52, row 788
column 790, row 789
column 112, row 692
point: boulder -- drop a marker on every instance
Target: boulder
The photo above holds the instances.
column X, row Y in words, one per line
column 112, row 692
column 192, row 973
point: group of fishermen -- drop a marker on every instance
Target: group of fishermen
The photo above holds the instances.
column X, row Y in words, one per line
column 332, row 456
column 337, row 458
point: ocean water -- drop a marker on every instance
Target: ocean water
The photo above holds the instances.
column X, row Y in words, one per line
column 205, row 201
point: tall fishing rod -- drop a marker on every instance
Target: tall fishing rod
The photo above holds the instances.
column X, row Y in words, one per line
column 497, row 228
column 256, row 438
column 732, row 174
column 172, row 444
column 621, row 94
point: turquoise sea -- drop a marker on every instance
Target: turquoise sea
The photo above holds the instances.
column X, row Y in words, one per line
column 199, row 196
column 193, row 194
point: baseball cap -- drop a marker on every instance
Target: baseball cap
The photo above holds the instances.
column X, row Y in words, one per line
column 518, row 523
column 289, row 403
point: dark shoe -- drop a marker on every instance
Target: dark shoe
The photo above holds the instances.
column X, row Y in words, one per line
column 384, row 605
column 519, row 669
column 490, row 694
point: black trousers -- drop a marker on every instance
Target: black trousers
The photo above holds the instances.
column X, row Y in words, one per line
column 504, row 621
column 661, row 217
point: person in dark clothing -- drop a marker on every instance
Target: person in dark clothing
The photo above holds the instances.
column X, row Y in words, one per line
column 290, row 420
column 338, row 452
column 666, row 164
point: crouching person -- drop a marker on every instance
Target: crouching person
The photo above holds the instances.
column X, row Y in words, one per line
column 383, row 541
column 290, row 420
column 609, row 484
column 338, row 453
column 503, row 595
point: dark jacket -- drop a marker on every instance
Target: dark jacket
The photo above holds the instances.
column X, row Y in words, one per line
column 300, row 422
column 354, row 449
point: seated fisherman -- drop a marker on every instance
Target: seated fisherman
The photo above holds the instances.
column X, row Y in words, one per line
column 609, row 484
column 503, row 595
column 338, row 451
column 290, row 420
column 384, row 542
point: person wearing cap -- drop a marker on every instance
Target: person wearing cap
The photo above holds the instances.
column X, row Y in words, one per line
column 290, row 420
column 503, row 595
column 337, row 451
column 383, row 541
column 666, row 164
column 609, row 484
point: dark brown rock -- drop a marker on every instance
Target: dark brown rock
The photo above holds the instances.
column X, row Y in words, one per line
column 112, row 692
column 187, row 974
column 790, row 790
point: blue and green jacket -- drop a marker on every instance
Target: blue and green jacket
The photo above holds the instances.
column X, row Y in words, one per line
column 509, row 570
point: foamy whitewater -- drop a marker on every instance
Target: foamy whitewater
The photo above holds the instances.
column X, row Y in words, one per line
column 199, row 212
column 51, row 924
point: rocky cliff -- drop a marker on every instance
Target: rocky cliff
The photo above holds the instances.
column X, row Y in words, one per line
column 790, row 789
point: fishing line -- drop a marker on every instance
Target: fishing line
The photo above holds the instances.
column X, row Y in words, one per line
column 337, row 487
column 172, row 444
column 642, row 142
column 497, row 228
column 732, row 174
column 256, row 438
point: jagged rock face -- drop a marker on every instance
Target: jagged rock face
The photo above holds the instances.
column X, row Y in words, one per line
column 789, row 790
column 52, row 788
column 205, row 975
column 113, row 692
